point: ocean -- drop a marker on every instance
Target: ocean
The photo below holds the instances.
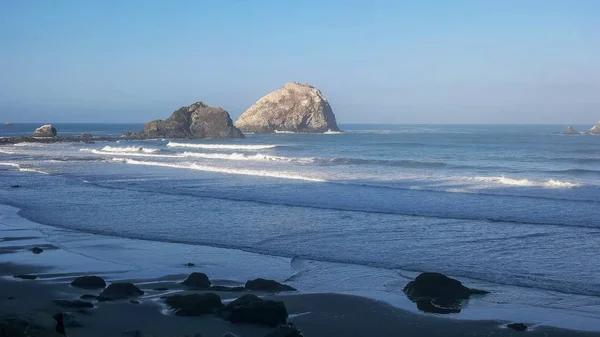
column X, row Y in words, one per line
column 514, row 209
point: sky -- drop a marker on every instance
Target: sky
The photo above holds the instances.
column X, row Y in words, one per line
column 402, row 62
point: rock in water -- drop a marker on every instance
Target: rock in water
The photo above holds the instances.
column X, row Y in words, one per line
column 595, row 129
column 517, row 326
column 295, row 107
column 45, row 131
column 197, row 280
column 570, row 131
column 438, row 293
column 194, row 304
column 261, row 284
column 36, row 250
column 89, row 282
column 121, row 290
column 251, row 309
column 195, row 121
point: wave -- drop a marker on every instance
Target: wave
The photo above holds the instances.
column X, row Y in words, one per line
column 28, row 144
column 197, row 167
column 26, row 169
column 501, row 180
column 223, row 146
column 383, row 162
column 131, row 154
column 129, row 149
column 330, row 132
column 575, row 171
column 242, row 156
column 10, row 164
column 283, row 131
column 7, row 152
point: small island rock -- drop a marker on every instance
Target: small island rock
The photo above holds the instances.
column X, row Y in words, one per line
column 45, row 131
column 570, row 131
column 595, row 130
column 294, row 108
column 195, row 121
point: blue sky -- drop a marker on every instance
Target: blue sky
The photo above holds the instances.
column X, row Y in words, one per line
column 432, row 62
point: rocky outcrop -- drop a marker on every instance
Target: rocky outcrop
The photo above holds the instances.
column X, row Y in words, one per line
column 89, row 282
column 251, row 309
column 295, row 107
column 36, row 250
column 595, row 130
column 517, row 326
column 438, row 293
column 261, row 284
column 45, row 131
column 197, row 280
column 121, row 290
column 194, row 304
column 195, row 121
column 570, row 131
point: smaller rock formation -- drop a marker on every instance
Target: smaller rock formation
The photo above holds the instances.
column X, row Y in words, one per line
column 45, row 131
column 89, row 282
column 195, row 121
column 294, row 108
column 197, row 280
column 194, row 304
column 595, row 130
column 77, row 304
column 438, row 293
column 121, row 290
column 36, row 250
column 261, row 284
column 517, row 326
column 570, row 131
column 251, row 309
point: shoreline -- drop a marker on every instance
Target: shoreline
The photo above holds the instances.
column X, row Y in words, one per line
column 59, row 264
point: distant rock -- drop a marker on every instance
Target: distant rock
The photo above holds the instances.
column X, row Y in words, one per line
column 36, row 250
column 261, row 284
column 517, row 326
column 194, row 304
column 197, row 280
column 438, row 293
column 570, row 131
column 251, row 309
column 294, row 108
column 195, row 121
column 89, row 282
column 595, row 130
column 45, row 131
column 121, row 290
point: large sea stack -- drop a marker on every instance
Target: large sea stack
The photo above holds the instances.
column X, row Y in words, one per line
column 45, row 131
column 294, row 108
column 595, row 129
column 195, row 121
column 570, row 131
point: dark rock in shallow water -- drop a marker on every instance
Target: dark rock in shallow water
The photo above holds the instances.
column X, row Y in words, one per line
column 194, row 304
column 36, row 250
column 134, row 301
column 287, row 330
column 26, row 277
column 260, row 284
column 517, row 326
column 89, row 282
column 77, row 304
column 88, row 297
column 224, row 288
column 253, row 310
column 45, row 131
column 160, row 289
column 190, row 264
column 15, row 186
column 195, row 121
column 197, row 280
column 438, row 292
column 121, row 290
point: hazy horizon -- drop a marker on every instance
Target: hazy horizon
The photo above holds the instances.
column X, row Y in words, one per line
column 377, row 62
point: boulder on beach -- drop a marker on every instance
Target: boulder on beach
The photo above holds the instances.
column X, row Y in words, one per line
column 197, row 280
column 438, row 293
column 517, row 326
column 36, row 250
column 294, row 108
column 252, row 309
column 45, row 131
column 121, row 290
column 261, row 284
column 595, row 130
column 570, row 131
column 195, row 121
column 89, row 282
column 194, row 304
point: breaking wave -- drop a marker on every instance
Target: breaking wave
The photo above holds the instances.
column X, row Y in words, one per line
column 223, row 146
column 501, row 180
column 129, row 149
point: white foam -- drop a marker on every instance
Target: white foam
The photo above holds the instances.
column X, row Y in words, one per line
column 222, row 146
column 194, row 166
column 10, row 164
column 131, row 154
column 130, row 149
column 28, row 144
column 330, row 132
column 277, row 131
column 25, row 169
column 502, row 180
column 7, row 152
column 242, row 156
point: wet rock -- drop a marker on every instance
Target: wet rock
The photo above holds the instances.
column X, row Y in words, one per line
column 287, row 330
column 88, row 297
column 261, row 284
column 161, row 289
column 89, row 282
column 36, row 250
column 86, row 136
column 26, row 277
column 197, row 280
column 224, row 288
column 134, row 301
column 229, row 334
column 120, row 290
column 194, row 304
column 77, row 304
column 251, row 309
column 190, row 264
column 10, row 298
column 15, row 186
column 69, row 321
column 517, row 326
column 428, row 306
column 45, row 131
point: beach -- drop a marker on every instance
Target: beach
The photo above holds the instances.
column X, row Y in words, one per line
column 315, row 314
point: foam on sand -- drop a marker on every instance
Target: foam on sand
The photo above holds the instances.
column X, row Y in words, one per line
column 197, row 167
column 222, row 146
